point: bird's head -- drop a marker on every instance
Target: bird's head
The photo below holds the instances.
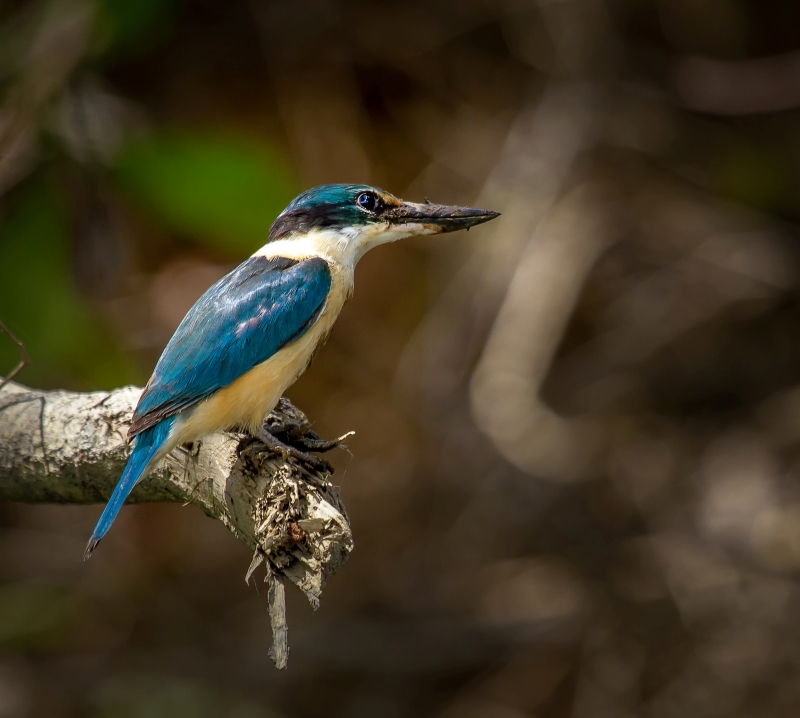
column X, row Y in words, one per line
column 360, row 217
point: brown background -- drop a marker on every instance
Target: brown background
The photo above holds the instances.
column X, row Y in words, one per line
column 574, row 483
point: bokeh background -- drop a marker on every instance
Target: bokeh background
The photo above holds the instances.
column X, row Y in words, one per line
column 575, row 480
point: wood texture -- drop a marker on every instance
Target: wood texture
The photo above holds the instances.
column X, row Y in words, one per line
column 70, row 448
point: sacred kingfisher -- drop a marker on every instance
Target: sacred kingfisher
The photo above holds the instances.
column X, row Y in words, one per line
column 255, row 331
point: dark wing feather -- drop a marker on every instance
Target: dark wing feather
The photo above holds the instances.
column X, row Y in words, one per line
column 241, row 321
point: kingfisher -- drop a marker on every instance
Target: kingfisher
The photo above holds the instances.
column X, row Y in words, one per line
column 254, row 332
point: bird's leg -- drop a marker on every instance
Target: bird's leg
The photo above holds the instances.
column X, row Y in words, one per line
column 299, row 433
column 311, row 441
column 274, row 444
column 294, row 428
column 287, row 431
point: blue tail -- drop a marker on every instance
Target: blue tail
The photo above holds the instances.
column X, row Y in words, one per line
column 145, row 446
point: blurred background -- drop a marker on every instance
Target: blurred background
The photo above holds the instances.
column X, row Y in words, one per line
column 575, row 480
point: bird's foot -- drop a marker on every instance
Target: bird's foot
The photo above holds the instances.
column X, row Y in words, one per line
column 275, row 445
column 287, row 431
column 299, row 434
column 292, row 427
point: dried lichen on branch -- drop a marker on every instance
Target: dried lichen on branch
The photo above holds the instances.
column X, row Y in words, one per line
column 66, row 447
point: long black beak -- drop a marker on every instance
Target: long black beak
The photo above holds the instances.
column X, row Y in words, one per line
column 438, row 217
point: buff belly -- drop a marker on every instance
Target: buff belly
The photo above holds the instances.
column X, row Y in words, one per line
column 244, row 403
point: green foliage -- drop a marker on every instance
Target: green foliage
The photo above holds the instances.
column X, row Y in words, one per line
column 64, row 336
column 224, row 191
column 126, row 28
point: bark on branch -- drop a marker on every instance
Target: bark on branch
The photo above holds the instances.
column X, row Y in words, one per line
column 67, row 447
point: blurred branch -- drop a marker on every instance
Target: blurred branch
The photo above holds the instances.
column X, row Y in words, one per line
column 542, row 294
column 23, row 362
column 65, row 447
column 54, row 48
column 539, row 244
column 741, row 87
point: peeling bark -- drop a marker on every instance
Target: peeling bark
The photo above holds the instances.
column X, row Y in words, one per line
column 70, row 448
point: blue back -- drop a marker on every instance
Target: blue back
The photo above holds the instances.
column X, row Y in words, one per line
column 241, row 321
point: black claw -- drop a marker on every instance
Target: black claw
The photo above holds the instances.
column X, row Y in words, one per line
column 246, row 442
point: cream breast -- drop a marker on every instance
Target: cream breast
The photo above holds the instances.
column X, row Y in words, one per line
column 246, row 401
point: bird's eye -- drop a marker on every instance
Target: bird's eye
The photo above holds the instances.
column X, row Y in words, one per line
column 367, row 201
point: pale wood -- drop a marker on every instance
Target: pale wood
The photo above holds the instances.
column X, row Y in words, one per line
column 68, row 447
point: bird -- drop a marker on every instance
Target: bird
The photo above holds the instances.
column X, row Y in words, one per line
column 253, row 333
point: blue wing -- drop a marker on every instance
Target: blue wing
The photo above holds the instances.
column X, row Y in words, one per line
column 241, row 321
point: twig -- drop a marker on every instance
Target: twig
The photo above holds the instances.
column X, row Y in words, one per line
column 276, row 596
column 24, row 354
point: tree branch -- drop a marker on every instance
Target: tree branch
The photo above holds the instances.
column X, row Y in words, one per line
column 67, row 447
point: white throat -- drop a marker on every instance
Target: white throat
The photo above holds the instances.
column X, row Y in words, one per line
column 341, row 247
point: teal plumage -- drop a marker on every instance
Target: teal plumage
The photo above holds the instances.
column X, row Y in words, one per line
column 239, row 322
column 254, row 332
